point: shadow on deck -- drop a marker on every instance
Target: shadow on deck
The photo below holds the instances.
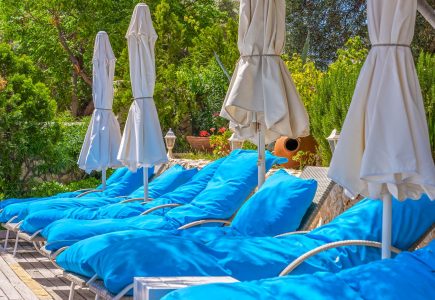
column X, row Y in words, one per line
column 31, row 276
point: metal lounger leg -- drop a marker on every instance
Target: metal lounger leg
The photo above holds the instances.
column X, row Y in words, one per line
column 6, row 240
column 71, row 291
column 16, row 244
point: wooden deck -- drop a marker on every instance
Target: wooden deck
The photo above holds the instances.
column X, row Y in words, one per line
column 31, row 276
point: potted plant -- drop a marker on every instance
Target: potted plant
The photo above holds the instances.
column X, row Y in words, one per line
column 201, row 142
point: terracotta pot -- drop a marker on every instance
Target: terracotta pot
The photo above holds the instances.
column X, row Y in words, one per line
column 199, row 143
column 287, row 147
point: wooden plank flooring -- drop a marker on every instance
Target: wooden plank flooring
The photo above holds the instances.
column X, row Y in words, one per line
column 31, row 276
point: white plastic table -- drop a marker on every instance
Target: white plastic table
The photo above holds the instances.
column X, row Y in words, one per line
column 153, row 288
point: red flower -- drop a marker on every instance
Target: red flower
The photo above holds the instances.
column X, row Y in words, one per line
column 204, row 133
column 212, row 129
column 222, row 130
column 216, row 114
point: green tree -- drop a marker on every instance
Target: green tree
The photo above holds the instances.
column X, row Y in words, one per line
column 28, row 131
column 331, row 23
column 58, row 35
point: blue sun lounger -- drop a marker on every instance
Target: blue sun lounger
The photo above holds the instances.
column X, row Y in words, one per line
column 410, row 275
column 15, row 213
column 278, row 206
column 244, row 258
column 224, row 194
column 29, row 228
column 112, row 179
column 124, row 185
column 162, row 184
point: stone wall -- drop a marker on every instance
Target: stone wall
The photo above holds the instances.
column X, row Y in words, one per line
column 187, row 163
column 336, row 203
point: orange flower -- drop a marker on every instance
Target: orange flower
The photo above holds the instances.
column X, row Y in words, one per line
column 222, row 130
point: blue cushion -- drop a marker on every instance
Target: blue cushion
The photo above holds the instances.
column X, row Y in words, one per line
column 408, row 276
column 221, row 198
column 231, row 184
column 78, row 230
column 247, row 258
column 115, row 176
column 228, row 186
column 365, row 220
column 277, row 207
column 182, row 194
column 188, row 191
column 167, row 181
column 126, row 184
column 4, row 218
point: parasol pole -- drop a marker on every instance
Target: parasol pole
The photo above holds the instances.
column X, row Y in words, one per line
column 387, row 212
column 103, row 178
column 145, row 183
column 261, row 153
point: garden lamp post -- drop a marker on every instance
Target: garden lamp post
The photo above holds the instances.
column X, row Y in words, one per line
column 235, row 142
column 333, row 140
column 170, row 142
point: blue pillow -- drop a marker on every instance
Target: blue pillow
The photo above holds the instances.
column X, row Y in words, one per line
column 166, row 182
column 126, row 184
column 277, row 207
column 188, row 191
column 114, row 177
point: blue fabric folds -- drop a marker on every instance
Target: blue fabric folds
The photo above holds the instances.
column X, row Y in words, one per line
column 232, row 183
column 20, row 208
column 166, row 182
column 277, row 207
column 161, row 185
column 115, row 176
column 408, row 276
column 222, row 196
column 245, row 258
column 182, row 194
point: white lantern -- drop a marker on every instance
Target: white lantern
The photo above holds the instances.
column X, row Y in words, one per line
column 333, row 140
column 170, row 142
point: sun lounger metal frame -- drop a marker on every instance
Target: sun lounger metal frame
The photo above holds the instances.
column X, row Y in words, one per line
column 294, row 264
column 14, row 227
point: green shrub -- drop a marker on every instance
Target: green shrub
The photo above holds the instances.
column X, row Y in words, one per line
column 305, row 159
column 426, row 77
column 329, row 104
column 50, row 188
column 67, row 149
